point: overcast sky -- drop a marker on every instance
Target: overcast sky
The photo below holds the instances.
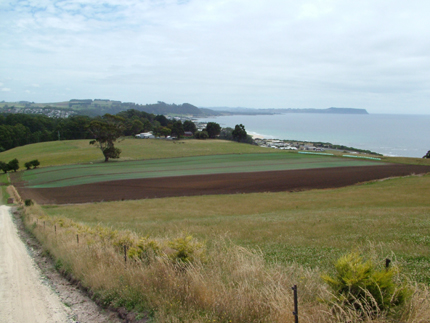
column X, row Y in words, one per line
column 259, row 54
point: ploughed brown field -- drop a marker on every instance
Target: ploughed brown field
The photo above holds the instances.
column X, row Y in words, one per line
column 270, row 181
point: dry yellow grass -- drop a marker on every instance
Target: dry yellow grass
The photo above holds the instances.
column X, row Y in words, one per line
column 311, row 228
column 229, row 284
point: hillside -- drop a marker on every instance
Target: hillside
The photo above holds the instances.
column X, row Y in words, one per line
column 102, row 106
column 201, row 258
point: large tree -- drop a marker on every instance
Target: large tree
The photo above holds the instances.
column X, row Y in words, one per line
column 213, row 129
column 13, row 165
column 4, row 167
column 190, row 126
column 427, row 155
column 106, row 130
column 178, row 129
column 239, row 133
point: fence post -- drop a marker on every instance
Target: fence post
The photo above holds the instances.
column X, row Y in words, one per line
column 77, row 238
column 55, row 229
column 125, row 254
column 387, row 263
column 44, row 225
column 296, row 309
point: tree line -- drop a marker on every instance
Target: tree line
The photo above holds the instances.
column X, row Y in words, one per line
column 22, row 129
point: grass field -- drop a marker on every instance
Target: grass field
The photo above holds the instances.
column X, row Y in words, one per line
column 61, row 176
column 311, row 228
column 256, row 245
column 80, row 151
column 71, row 152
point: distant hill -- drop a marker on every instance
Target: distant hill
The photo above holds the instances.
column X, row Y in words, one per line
column 102, row 106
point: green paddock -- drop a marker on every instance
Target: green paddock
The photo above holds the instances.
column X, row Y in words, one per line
column 69, row 175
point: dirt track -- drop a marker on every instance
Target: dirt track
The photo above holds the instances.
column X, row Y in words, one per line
column 274, row 181
column 23, row 296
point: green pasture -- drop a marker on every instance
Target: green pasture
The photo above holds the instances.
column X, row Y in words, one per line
column 312, row 228
column 68, row 152
column 61, row 176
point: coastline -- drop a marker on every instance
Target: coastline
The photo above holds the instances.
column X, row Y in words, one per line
column 389, row 135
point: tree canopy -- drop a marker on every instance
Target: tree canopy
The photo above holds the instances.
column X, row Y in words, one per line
column 106, row 130
column 239, row 133
column 213, row 129
column 178, row 129
column 190, row 126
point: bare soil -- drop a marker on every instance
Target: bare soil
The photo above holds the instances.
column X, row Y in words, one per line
column 271, row 181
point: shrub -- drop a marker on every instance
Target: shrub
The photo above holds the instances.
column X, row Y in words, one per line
column 34, row 163
column 146, row 250
column 358, row 284
column 28, row 202
column 186, row 250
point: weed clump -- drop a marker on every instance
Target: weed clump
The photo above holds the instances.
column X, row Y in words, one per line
column 360, row 286
column 186, row 250
column 28, row 202
column 146, row 250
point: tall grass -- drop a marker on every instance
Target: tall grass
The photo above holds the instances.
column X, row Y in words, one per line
column 311, row 228
column 226, row 283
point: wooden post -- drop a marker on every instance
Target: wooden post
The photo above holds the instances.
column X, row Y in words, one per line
column 44, row 225
column 125, row 254
column 77, row 238
column 387, row 263
column 55, row 229
column 296, row 309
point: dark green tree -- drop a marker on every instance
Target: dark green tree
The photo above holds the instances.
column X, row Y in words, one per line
column 33, row 163
column 4, row 167
column 427, row 155
column 106, row 130
column 190, row 126
column 147, row 126
column 201, row 135
column 136, row 127
column 178, row 129
column 213, row 129
column 239, row 133
column 164, row 131
column 162, row 120
column 13, row 165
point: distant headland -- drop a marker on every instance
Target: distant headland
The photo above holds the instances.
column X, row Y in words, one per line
column 249, row 111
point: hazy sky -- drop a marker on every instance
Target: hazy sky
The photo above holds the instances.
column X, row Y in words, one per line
column 260, row 54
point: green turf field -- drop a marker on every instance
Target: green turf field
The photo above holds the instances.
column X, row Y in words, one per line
column 68, row 152
column 61, row 176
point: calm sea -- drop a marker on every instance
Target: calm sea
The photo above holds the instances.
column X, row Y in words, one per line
column 388, row 134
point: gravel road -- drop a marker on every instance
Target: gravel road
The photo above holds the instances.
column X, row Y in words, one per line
column 24, row 297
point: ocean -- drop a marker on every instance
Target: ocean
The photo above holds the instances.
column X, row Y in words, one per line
column 387, row 134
